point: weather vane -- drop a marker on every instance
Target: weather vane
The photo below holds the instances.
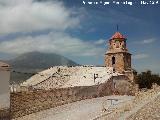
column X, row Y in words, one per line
column 117, row 28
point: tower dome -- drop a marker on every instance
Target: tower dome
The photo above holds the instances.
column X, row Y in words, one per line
column 118, row 35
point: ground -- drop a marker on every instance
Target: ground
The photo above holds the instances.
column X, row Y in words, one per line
column 150, row 111
column 145, row 105
column 81, row 110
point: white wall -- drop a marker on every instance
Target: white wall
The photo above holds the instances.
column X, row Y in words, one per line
column 4, row 89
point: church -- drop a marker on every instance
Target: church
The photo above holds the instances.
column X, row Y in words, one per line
column 60, row 85
column 117, row 64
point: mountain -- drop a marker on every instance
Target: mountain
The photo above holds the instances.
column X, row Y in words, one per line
column 27, row 64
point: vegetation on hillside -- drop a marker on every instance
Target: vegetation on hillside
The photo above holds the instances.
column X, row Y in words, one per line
column 146, row 79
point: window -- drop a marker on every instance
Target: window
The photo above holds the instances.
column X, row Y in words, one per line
column 113, row 60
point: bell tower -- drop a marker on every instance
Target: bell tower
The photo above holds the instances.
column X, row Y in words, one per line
column 117, row 55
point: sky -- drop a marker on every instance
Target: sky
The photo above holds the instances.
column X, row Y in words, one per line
column 79, row 31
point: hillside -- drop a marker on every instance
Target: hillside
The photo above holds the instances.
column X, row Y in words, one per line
column 34, row 62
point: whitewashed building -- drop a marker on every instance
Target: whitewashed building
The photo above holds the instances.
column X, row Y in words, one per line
column 4, row 85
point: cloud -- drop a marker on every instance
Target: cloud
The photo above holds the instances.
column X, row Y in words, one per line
column 140, row 56
column 31, row 15
column 146, row 41
column 99, row 42
column 56, row 42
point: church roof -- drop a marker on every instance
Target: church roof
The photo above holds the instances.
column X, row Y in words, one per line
column 118, row 35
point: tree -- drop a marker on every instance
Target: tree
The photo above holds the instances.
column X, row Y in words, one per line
column 146, row 79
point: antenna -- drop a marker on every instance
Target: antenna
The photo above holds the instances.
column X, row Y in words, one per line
column 117, row 28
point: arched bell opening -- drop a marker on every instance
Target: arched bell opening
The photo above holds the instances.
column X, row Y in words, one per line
column 113, row 60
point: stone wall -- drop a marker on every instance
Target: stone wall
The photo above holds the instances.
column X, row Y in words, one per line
column 123, row 85
column 4, row 114
column 27, row 102
column 122, row 61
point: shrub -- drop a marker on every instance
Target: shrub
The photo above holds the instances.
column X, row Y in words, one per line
column 146, row 79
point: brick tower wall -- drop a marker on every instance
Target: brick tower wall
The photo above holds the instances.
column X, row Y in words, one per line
column 122, row 61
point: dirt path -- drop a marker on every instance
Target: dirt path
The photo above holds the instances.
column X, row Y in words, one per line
column 81, row 110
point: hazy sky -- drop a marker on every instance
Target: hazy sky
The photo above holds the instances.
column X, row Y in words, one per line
column 79, row 32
